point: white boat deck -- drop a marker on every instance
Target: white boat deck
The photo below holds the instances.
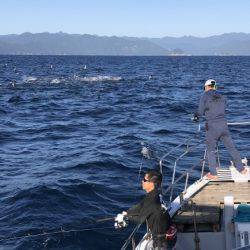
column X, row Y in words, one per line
column 209, row 201
column 213, row 223
column 231, row 174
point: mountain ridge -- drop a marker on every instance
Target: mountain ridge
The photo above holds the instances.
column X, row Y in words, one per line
column 61, row 43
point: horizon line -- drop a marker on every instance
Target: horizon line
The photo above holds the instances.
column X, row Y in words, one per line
column 121, row 36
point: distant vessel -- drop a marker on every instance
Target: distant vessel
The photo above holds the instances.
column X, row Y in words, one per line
column 208, row 214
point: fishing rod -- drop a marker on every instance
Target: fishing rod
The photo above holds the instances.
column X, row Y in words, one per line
column 113, row 218
column 238, row 123
column 105, row 219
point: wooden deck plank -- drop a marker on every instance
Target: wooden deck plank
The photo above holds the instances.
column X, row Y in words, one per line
column 209, row 199
column 215, row 192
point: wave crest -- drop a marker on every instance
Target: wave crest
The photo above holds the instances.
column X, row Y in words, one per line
column 28, row 79
column 98, row 78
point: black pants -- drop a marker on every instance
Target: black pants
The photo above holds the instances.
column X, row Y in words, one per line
column 163, row 244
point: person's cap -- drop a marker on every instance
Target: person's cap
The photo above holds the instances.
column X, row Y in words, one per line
column 210, row 82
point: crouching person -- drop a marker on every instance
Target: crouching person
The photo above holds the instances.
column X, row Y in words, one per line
column 161, row 233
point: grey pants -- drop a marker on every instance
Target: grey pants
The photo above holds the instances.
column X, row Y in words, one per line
column 215, row 131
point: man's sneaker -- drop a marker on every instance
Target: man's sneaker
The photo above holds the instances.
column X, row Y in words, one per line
column 244, row 171
column 209, row 176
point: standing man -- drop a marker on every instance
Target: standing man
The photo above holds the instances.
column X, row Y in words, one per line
column 150, row 210
column 212, row 105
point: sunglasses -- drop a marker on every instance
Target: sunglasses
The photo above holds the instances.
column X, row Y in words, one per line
column 212, row 85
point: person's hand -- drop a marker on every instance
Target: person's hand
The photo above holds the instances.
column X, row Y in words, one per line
column 120, row 221
column 195, row 118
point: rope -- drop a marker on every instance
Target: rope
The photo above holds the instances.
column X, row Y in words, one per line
column 53, row 233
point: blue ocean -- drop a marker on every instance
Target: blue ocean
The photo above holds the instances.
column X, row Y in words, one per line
column 72, row 130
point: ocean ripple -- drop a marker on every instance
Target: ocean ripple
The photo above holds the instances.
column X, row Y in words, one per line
column 72, row 131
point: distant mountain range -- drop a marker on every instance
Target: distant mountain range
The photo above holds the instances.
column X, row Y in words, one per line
column 75, row 44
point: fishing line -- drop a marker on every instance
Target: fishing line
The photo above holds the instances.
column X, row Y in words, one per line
column 86, row 228
column 53, row 233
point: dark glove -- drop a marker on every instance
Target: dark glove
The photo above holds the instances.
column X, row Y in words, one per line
column 195, row 118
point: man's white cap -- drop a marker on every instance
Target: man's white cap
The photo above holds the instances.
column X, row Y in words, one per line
column 210, row 82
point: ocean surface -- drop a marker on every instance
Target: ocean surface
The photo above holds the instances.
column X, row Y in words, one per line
column 72, row 130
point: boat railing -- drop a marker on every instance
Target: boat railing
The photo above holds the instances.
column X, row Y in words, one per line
column 188, row 147
column 186, row 143
column 185, row 175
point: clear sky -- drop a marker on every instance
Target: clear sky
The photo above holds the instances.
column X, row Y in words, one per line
column 150, row 18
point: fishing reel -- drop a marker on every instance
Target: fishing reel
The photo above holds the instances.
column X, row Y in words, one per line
column 121, row 221
column 195, row 118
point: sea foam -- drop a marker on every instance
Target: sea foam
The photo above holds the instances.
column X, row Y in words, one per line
column 29, row 79
column 98, row 78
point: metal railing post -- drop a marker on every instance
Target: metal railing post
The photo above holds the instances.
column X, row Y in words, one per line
column 218, row 156
column 203, row 163
column 186, row 182
column 160, row 163
column 172, row 183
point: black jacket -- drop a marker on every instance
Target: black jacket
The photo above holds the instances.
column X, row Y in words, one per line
column 151, row 211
